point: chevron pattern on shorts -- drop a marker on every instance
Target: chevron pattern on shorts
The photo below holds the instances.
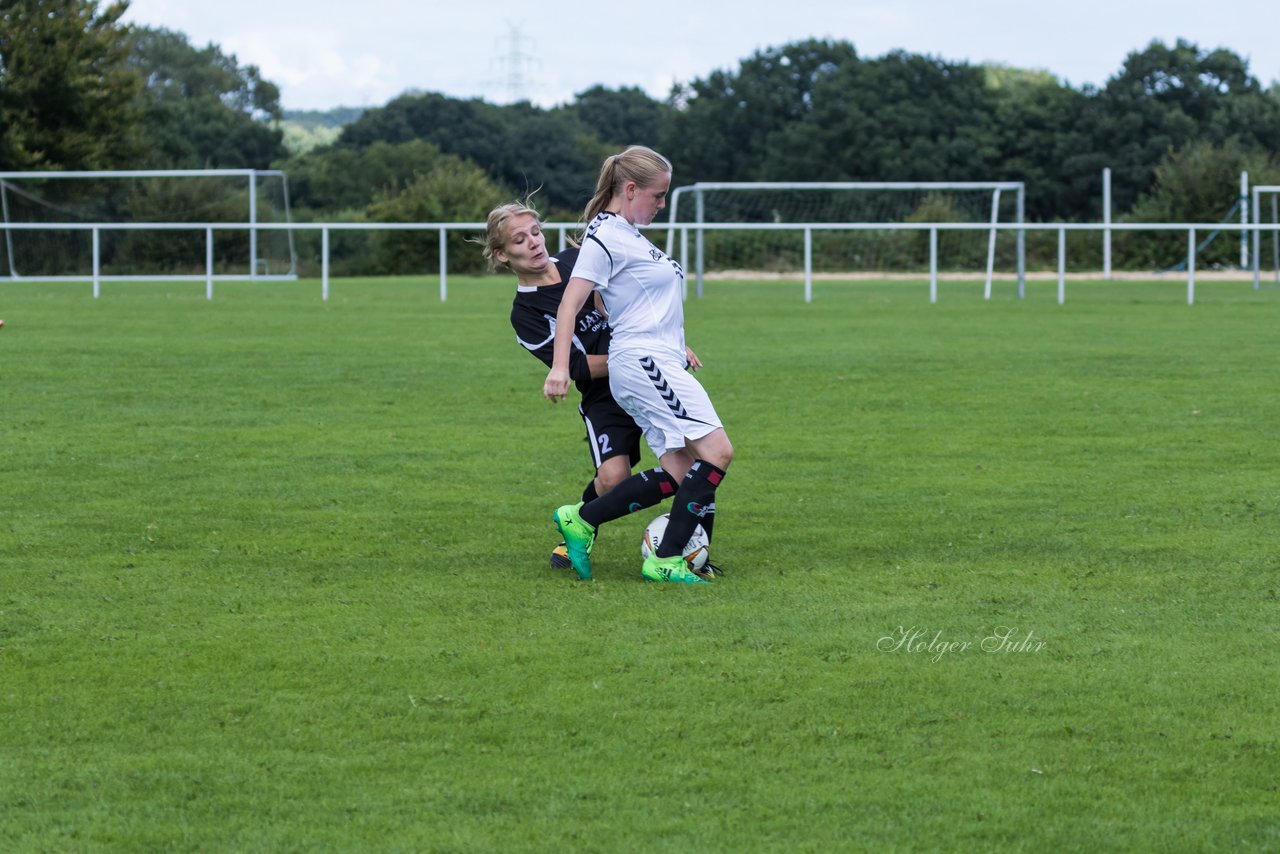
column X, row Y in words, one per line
column 664, row 389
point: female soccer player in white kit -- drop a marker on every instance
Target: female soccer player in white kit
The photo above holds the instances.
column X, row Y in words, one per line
column 642, row 291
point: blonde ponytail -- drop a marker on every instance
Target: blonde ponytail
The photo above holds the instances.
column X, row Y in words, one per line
column 638, row 163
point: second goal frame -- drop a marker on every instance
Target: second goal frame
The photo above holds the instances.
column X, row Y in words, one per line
column 253, row 177
column 996, row 188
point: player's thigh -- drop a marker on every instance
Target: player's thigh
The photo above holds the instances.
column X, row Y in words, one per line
column 670, row 405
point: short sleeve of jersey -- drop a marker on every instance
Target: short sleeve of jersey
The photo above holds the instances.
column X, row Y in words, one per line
column 595, row 264
column 564, row 261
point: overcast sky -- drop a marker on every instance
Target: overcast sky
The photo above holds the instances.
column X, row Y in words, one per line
column 326, row 53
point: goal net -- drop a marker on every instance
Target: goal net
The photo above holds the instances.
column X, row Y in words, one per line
column 1266, row 244
column 864, row 250
column 144, row 212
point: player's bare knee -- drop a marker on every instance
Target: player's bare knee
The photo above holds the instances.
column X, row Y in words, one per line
column 605, row 482
column 718, row 450
column 728, row 454
column 612, row 472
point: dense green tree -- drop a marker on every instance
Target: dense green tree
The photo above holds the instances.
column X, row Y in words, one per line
column 202, row 108
column 1035, row 126
column 1164, row 98
column 451, row 190
column 1200, row 182
column 348, row 179
column 902, row 117
column 552, row 153
column 723, row 126
column 520, row 146
column 68, row 98
column 621, row 117
column 815, row 111
column 79, row 90
column 1197, row 183
column 454, row 125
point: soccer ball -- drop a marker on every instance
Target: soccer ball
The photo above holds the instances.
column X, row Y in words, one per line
column 695, row 551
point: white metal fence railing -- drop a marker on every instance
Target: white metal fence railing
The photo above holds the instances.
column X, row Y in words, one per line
column 97, row 277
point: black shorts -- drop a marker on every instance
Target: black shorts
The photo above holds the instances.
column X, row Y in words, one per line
column 611, row 432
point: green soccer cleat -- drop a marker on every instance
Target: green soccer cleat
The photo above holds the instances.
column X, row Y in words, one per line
column 671, row 568
column 579, row 537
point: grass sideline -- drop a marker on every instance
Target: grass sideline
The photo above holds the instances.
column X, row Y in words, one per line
column 272, row 577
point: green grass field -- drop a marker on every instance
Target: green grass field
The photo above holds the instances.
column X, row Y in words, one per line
column 1002, row 576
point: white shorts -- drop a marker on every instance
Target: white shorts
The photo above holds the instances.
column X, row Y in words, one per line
column 664, row 399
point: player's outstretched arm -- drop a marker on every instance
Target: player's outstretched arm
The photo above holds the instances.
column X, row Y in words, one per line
column 556, row 387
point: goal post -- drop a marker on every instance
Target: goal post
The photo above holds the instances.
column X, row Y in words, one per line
column 893, row 222
column 1266, row 211
column 141, row 197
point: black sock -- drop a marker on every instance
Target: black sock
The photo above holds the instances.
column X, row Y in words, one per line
column 589, row 494
column 694, row 504
column 641, row 490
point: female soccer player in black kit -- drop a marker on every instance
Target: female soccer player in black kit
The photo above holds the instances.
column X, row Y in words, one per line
column 515, row 241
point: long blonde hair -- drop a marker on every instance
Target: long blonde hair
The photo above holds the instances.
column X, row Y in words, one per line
column 638, row 163
column 495, row 230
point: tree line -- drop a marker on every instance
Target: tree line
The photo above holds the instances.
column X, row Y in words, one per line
column 1176, row 124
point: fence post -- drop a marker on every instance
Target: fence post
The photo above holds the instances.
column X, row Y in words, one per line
column 684, row 261
column 97, row 263
column 986, row 290
column 991, row 238
column 808, row 265
column 1244, row 220
column 253, row 221
column 324, row 263
column 933, row 265
column 700, row 244
column 1191, row 266
column 1106, row 222
column 444, row 264
column 1062, row 266
column 1022, row 241
column 208, row 263
column 1257, row 240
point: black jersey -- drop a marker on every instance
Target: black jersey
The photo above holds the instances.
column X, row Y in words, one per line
column 533, row 316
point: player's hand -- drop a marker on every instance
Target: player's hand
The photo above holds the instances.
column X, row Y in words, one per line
column 691, row 359
column 557, row 385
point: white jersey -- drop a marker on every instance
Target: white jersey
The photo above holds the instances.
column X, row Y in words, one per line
column 641, row 287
